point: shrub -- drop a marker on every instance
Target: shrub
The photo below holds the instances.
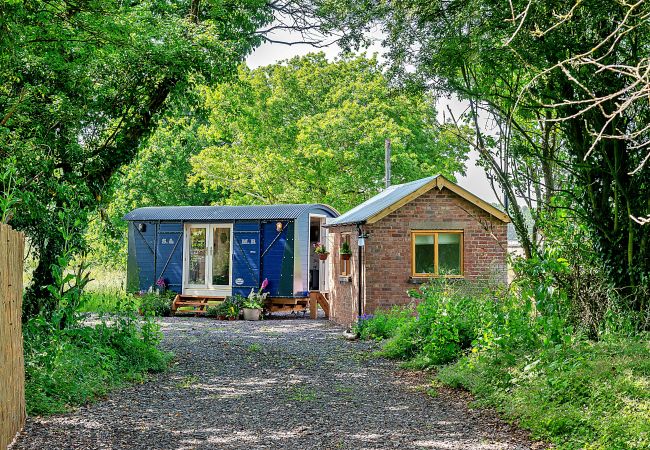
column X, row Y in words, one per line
column 384, row 323
column 157, row 304
column 75, row 365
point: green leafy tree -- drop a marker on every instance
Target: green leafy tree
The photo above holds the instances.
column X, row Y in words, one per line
column 534, row 66
column 307, row 130
column 84, row 83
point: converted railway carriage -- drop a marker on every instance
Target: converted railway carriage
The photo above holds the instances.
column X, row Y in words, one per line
column 217, row 251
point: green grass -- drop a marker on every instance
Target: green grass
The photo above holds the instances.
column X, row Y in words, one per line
column 77, row 365
column 532, row 365
column 108, row 301
column 592, row 395
column 302, row 394
column 255, row 348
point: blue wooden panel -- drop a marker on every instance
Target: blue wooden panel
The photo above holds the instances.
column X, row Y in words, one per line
column 143, row 252
column 245, row 257
column 169, row 255
column 277, row 258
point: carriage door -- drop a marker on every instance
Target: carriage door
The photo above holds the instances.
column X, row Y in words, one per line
column 197, row 257
column 208, row 259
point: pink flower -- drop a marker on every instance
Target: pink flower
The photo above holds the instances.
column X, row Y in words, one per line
column 265, row 283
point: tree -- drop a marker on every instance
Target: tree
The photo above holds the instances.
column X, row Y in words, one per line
column 83, row 85
column 306, row 130
column 507, row 58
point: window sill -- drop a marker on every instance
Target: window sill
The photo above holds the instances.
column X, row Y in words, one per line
column 345, row 278
column 422, row 280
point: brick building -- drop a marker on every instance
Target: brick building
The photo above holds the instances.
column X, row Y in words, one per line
column 408, row 234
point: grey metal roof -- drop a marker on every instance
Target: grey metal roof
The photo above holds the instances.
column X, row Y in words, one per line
column 379, row 202
column 215, row 213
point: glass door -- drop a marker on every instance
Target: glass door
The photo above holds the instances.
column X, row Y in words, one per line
column 197, row 258
column 220, row 250
column 208, row 259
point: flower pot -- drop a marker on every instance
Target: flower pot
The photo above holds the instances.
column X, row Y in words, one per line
column 322, row 256
column 232, row 318
column 346, row 256
column 252, row 313
column 221, row 317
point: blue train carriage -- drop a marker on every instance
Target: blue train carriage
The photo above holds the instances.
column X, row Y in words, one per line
column 211, row 252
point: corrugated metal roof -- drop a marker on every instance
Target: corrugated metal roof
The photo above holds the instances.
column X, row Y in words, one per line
column 379, row 202
column 208, row 213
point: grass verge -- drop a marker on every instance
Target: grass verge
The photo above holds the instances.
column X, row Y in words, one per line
column 76, row 365
column 591, row 395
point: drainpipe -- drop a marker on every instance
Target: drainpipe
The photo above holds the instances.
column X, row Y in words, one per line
column 360, row 249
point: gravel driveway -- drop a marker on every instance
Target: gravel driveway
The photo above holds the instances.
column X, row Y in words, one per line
column 291, row 384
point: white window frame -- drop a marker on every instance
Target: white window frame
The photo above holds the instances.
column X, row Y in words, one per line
column 208, row 288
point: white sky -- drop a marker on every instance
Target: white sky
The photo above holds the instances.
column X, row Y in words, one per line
column 474, row 181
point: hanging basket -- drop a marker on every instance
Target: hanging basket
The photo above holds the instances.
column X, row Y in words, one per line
column 346, row 256
column 323, row 256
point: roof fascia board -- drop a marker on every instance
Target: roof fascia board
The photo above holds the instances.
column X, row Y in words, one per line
column 440, row 182
column 401, row 202
column 485, row 206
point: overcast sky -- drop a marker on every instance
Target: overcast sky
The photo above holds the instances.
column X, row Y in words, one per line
column 474, row 181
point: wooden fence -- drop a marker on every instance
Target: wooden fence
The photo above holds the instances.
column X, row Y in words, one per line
column 12, row 372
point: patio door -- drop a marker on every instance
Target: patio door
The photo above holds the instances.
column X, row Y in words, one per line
column 208, row 259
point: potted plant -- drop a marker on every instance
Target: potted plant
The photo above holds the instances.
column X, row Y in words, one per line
column 345, row 251
column 232, row 311
column 254, row 304
column 321, row 251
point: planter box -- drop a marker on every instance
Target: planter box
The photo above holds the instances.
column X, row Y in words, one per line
column 252, row 314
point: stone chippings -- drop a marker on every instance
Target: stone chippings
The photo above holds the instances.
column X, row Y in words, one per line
column 274, row 384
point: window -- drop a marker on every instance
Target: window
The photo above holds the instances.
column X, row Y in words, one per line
column 437, row 253
column 346, row 264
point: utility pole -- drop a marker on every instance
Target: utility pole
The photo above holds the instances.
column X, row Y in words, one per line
column 387, row 163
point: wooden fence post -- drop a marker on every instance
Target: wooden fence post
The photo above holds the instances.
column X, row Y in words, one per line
column 12, row 365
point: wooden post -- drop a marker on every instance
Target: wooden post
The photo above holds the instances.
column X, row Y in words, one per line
column 387, row 163
column 12, row 372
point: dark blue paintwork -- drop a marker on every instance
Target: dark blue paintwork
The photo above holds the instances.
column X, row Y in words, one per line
column 158, row 251
column 277, row 258
column 245, row 257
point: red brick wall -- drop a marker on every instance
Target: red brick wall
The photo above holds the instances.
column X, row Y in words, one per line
column 344, row 290
column 387, row 255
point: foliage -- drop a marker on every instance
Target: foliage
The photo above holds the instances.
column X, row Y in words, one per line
column 157, row 176
column 232, row 310
column 110, row 301
column 383, row 324
column 522, row 352
column 84, row 84
column 255, row 300
column 345, row 248
column 80, row 363
column 157, row 304
column 321, row 126
column 583, row 395
column 320, row 248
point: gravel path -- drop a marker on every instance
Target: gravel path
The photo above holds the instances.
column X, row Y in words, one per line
column 290, row 384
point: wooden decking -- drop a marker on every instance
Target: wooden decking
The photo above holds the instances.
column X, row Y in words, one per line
column 198, row 305
column 193, row 304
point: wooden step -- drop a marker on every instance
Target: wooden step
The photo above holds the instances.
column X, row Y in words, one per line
column 318, row 298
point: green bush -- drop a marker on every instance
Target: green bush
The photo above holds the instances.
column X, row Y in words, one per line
column 157, row 304
column 77, row 364
column 384, row 323
column 592, row 395
column 108, row 301
column 519, row 351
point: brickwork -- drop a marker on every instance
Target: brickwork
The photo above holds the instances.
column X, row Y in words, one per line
column 387, row 255
column 345, row 290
